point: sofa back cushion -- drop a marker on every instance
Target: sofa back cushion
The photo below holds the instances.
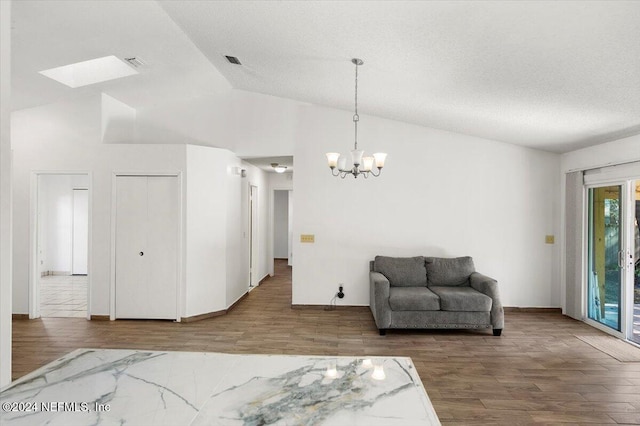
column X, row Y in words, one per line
column 402, row 271
column 449, row 272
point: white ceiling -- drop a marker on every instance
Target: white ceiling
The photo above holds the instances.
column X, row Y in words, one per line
column 552, row 75
column 265, row 163
column 48, row 34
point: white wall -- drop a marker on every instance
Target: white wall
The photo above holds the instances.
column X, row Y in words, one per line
column 249, row 124
column 281, row 224
column 67, row 137
column 5, row 193
column 441, row 194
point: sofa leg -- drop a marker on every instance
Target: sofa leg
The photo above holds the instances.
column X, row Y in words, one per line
column 383, row 331
column 497, row 331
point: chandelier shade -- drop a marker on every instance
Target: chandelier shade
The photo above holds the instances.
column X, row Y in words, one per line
column 360, row 165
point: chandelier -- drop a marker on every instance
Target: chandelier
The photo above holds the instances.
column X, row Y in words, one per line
column 339, row 162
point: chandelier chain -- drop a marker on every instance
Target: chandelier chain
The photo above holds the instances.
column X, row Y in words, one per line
column 356, row 117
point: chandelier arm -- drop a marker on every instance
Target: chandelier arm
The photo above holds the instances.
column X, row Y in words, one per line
column 376, row 175
column 336, row 170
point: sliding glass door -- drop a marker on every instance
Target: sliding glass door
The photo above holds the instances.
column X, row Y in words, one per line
column 605, row 263
column 613, row 253
column 634, row 332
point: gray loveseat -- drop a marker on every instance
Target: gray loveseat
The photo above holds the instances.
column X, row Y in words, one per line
column 433, row 292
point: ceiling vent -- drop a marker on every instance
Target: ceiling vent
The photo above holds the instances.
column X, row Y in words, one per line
column 135, row 62
column 233, row 60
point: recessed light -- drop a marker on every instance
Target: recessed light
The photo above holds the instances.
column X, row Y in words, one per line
column 233, row 60
column 90, row 72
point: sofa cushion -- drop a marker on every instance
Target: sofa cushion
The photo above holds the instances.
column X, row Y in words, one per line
column 413, row 299
column 454, row 271
column 462, row 299
column 402, row 271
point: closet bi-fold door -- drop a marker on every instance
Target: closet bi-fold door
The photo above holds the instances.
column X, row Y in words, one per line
column 147, row 220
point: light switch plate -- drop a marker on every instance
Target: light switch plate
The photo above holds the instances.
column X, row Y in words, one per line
column 307, row 238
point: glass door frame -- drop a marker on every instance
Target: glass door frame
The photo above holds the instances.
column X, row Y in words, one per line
column 626, row 235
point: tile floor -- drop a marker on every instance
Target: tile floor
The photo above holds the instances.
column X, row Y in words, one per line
column 63, row 296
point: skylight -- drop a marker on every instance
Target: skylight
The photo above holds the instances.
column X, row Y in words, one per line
column 90, row 72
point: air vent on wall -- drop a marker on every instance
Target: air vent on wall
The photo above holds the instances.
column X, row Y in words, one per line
column 233, row 60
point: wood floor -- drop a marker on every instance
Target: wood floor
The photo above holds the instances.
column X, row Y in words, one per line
column 537, row 372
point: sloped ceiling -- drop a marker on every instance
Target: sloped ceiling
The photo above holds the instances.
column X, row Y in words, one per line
column 551, row 75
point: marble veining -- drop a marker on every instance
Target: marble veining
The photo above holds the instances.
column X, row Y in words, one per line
column 187, row 388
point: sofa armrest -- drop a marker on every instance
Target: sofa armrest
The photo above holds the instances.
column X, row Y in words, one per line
column 489, row 286
column 379, row 299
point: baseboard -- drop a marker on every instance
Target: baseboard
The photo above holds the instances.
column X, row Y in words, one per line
column 215, row 313
column 263, row 279
column 234, row 304
column 100, row 318
column 20, row 316
column 203, row 316
column 327, row 307
column 533, row 310
column 281, row 258
column 61, row 273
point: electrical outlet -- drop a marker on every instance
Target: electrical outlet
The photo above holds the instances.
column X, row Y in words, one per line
column 307, row 238
column 549, row 239
column 340, row 293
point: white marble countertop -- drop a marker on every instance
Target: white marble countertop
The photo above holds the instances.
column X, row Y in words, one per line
column 134, row 387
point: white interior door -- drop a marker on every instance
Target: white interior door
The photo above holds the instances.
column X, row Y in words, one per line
column 147, row 223
column 80, row 241
column 161, row 255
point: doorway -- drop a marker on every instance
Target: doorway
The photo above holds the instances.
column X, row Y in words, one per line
column 282, row 230
column 59, row 277
column 613, row 292
column 253, row 237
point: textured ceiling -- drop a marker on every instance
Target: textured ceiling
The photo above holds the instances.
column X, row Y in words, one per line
column 552, row 75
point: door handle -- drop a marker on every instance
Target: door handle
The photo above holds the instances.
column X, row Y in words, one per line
column 141, row 253
column 621, row 259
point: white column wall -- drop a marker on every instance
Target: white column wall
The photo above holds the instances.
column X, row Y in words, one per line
column 5, row 193
column 206, row 231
